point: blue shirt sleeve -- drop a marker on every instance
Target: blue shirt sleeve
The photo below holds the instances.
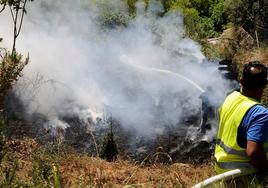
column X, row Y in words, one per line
column 255, row 124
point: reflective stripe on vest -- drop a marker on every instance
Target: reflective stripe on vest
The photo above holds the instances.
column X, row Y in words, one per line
column 230, row 150
column 234, row 151
column 234, row 165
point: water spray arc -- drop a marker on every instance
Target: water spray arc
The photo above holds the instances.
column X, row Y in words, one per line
column 126, row 59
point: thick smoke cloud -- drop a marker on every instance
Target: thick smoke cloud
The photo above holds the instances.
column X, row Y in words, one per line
column 144, row 73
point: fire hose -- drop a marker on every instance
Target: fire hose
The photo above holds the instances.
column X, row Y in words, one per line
column 222, row 177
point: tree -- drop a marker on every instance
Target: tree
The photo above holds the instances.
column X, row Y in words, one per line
column 109, row 148
column 246, row 13
column 198, row 19
column 11, row 64
column 131, row 6
column 18, row 10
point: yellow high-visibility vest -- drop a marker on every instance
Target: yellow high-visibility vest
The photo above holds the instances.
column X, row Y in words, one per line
column 229, row 155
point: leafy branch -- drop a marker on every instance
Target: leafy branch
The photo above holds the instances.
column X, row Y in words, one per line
column 17, row 9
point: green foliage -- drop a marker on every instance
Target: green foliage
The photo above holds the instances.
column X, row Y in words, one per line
column 56, row 177
column 10, row 70
column 167, row 4
column 109, row 148
column 211, row 52
column 202, row 6
column 11, row 64
column 198, row 27
column 219, row 16
column 14, row 3
column 208, row 18
column 202, row 18
column 46, row 174
column 44, row 170
column 250, row 14
column 17, row 10
column 131, row 6
column 3, row 149
column 10, row 176
column 111, row 20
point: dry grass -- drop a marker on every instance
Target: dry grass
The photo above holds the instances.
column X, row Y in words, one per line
column 260, row 54
column 81, row 170
column 232, row 41
column 237, row 45
column 86, row 170
column 245, row 56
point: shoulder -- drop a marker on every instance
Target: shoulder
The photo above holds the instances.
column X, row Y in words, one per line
column 258, row 110
column 256, row 113
column 256, row 123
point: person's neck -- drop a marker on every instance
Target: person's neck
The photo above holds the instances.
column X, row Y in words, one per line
column 256, row 94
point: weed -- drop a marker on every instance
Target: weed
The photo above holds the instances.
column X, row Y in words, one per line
column 41, row 173
column 56, row 177
column 10, row 175
column 3, row 149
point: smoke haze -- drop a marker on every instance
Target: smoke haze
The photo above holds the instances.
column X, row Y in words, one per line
column 144, row 73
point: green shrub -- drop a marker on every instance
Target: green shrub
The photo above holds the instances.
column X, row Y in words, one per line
column 45, row 170
column 109, row 148
column 202, row 18
column 56, row 177
column 3, row 148
column 10, row 176
column 10, row 70
column 111, row 20
column 47, row 174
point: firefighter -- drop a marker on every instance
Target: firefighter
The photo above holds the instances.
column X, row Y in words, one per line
column 242, row 139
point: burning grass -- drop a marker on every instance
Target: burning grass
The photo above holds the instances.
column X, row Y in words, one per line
column 32, row 165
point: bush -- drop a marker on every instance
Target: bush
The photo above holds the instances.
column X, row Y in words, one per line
column 47, row 174
column 2, row 140
column 10, row 70
column 111, row 20
column 109, row 148
column 202, row 18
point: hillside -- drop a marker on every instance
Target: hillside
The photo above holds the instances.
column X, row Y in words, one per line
column 126, row 70
column 28, row 164
column 254, row 55
column 239, row 47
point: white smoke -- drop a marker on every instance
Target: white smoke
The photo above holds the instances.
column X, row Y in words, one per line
column 145, row 73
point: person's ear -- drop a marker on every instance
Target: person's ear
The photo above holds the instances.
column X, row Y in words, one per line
column 241, row 81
